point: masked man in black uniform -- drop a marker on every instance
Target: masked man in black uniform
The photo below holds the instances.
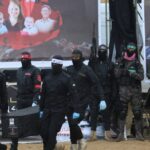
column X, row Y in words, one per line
column 57, row 90
column 104, row 69
column 29, row 85
column 87, row 87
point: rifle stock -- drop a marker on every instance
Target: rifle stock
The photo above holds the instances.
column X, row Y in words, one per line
column 94, row 44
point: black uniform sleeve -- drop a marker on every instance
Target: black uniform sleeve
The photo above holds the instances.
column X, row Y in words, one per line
column 37, row 84
column 43, row 93
column 96, row 88
column 92, row 62
column 3, row 94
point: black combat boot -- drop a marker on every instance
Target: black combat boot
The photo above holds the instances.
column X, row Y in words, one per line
column 138, row 128
column 3, row 147
column 14, row 145
column 121, row 129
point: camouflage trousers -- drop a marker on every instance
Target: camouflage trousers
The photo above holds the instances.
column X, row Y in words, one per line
column 132, row 95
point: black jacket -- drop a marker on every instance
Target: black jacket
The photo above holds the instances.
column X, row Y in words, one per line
column 86, row 83
column 28, row 83
column 3, row 94
column 58, row 90
column 105, row 73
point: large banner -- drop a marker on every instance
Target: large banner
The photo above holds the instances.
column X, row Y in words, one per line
column 147, row 35
column 45, row 27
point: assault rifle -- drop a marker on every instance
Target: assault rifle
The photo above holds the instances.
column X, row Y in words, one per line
column 94, row 44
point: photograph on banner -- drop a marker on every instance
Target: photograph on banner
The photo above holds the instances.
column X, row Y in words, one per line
column 147, row 35
column 45, row 28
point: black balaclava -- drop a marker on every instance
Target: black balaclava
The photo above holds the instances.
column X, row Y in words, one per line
column 77, row 58
column 57, row 63
column 102, row 52
column 25, row 60
column 131, row 49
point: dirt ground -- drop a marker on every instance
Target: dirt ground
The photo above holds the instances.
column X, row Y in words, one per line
column 99, row 145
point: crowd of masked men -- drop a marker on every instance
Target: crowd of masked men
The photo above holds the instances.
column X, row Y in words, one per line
column 103, row 86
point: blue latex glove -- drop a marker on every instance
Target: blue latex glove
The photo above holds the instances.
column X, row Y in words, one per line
column 41, row 114
column 102, row 105
column 36, row 100
column 75, row 115
column 34, row 104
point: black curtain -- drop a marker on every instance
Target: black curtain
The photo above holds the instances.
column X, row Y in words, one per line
column 122, row 13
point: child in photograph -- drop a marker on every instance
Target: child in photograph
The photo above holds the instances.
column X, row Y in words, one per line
column 45, row 24
column 30, row 28
column 3, row 28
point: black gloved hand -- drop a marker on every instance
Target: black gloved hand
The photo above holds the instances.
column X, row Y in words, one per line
column 125, row 72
